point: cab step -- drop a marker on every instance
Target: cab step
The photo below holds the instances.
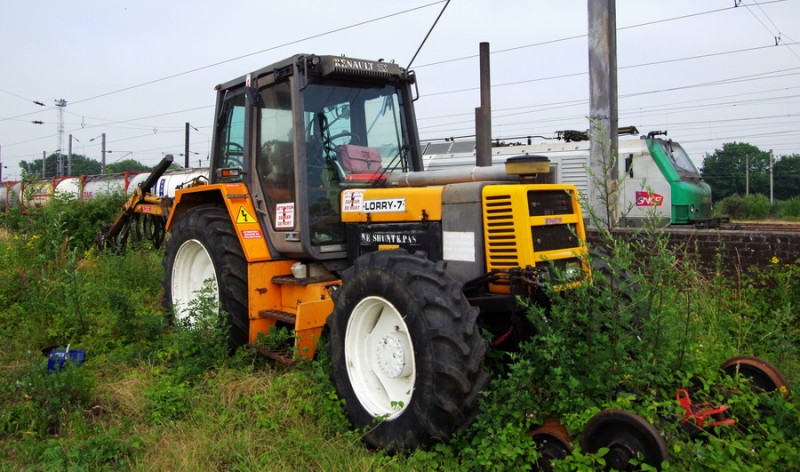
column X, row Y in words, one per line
column 282, row 356
column 289, row 279
column 280, row 353
column 284, row 316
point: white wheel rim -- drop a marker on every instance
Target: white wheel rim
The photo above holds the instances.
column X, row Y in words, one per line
column 193, row 266
column 380, row 358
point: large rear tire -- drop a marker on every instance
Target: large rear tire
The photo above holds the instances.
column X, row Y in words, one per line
column 203, row 254
column 407, row 355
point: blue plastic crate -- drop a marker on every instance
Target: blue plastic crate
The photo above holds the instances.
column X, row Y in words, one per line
column 59, row 357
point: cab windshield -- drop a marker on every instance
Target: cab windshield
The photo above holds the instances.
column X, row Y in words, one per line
column 355, row 130
column 354, row 137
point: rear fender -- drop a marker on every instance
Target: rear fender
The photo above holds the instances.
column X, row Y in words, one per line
column 236, row 199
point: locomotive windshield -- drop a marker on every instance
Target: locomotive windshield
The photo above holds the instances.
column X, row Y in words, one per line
column 679, row 158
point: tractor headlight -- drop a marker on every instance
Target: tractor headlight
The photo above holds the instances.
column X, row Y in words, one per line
column 573, row 271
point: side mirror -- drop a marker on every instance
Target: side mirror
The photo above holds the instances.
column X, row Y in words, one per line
column 253, row 97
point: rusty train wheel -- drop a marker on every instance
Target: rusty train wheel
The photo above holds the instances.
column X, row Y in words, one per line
column 763, row 376
column 627, row 436
column 552, row 441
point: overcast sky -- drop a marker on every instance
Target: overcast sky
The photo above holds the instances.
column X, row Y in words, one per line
column 705, row 70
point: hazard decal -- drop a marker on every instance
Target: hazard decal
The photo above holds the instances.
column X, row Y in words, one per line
column 284, row 215
column 244, row 217
column 352, row 200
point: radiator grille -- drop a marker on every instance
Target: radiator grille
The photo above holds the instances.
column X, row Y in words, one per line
column 552, row 202
column 553, row 237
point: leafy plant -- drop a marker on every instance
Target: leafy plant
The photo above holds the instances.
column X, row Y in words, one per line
column 38, row 400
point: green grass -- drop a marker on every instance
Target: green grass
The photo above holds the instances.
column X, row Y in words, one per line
column 155, row 397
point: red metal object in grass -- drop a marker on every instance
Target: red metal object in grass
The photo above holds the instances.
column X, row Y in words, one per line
column 699, row 413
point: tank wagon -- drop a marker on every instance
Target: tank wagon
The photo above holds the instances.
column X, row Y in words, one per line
column 37, row 194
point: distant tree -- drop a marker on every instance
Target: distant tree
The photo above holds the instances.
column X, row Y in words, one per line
column 786, row 177
column 80, row 165
column 128, row 165
column 725, row 170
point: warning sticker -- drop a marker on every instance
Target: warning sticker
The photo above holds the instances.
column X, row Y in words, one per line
column 251, row 234
column 284, row 215
column 244, row 217
column 352, row 200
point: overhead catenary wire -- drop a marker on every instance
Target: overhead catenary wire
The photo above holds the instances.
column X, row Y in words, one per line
column 736, row 79
column 427, row 35
column 261, row 51
column 510, row 49
column 777, row 33
column 632, row 66
column 354, row 25
column 579, row 36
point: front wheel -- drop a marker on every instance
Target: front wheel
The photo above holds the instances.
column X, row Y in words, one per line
column 406, row 352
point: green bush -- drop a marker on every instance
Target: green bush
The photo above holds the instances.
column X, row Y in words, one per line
column 750, row 207
column 604, row 346
column 65, row 218
column 788, row 209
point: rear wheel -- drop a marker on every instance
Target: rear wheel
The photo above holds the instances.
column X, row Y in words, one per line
column 407, row 355
column 204, row 258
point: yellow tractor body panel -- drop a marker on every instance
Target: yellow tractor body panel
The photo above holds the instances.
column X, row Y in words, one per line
column 390, row 205
column 514, row 236
column 263, row 294
column 309, row 302
column 236, row 198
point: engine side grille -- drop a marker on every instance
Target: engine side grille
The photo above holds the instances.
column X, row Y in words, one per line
column 500, row 234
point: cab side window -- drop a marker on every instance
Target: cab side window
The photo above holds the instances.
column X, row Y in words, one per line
column 229, row 150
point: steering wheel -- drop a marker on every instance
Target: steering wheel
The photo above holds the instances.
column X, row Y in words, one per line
column 354, row 138
column 230, row 149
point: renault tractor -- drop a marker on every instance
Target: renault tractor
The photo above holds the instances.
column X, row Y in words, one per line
column 318, row 218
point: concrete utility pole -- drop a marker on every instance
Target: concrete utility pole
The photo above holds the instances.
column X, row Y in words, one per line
column 186, row 147
column 60, row 104
column 44, row 169
column 771, row 162
column 747, row 174
column 483, row 114
column 603, row 110
column 103, row 155
column 69, row 155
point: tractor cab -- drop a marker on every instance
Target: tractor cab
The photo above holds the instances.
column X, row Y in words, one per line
column 300, row 131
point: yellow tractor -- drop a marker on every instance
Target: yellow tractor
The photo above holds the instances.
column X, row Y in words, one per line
column 318, row 216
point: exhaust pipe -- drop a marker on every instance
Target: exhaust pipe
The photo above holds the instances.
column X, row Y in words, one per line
column 483, row 114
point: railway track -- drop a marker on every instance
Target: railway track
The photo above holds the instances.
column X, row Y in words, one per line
column 734, row 246
column 761, row 227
